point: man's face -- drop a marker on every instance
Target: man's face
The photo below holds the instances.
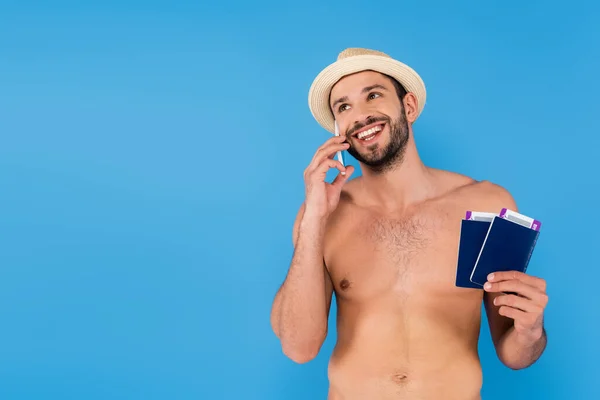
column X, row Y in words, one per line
column 368, row 110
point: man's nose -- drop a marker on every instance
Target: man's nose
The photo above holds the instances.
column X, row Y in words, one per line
column 361, row 114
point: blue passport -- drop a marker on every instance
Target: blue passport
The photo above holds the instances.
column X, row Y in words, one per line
column 472, row 236
column 508, row 246
column 490, row 243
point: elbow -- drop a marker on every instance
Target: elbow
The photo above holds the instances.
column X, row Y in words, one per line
column 514, row 362
column 517, row 363
column 513, row 365
column 301, row 355
column 304, row 352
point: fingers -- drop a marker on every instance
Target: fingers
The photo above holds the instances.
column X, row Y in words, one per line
column 325, row 165
column 328, row 149
column 320, row 172
column 517, row 302
column 323, row 159
column 517, row 275
column 526, row 306
column 342, row 178
column 513, row 313
column 525, row 286
column 528, row 323
column 329, row 152
column 514, row 286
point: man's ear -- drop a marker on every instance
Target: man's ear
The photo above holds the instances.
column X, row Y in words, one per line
column 411, row 107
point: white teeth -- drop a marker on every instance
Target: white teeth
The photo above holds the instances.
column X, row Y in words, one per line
column 369, row 132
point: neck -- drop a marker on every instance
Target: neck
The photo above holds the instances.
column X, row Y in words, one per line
column 407, row 182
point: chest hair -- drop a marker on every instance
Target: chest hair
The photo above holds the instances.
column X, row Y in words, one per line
column 400, row 240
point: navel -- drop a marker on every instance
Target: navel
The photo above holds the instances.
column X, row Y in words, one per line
column 399, row 378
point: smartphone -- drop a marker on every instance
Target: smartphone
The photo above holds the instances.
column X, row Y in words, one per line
column 340, row 155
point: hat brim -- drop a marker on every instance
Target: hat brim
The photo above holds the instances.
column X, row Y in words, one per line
column 318, row 95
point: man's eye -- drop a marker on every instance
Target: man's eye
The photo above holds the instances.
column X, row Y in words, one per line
column 373, row 95
column 342, row 107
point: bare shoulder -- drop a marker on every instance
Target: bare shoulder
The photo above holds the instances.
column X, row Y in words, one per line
column 469, row 193
column 487, row 196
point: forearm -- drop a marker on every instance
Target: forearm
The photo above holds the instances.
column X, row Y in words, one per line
column 518, row 351
column 301, row 307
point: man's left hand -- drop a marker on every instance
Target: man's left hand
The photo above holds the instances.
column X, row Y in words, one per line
column 524, row 301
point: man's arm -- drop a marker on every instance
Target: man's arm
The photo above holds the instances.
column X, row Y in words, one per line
column 300, row 310
column 514, row 304
column 515, row 349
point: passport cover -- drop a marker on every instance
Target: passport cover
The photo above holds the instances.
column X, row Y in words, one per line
column 472, row 236
column 507, row 246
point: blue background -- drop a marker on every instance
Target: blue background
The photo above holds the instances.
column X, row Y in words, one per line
column 151, row 159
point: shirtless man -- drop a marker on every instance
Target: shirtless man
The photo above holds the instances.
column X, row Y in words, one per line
column 386, row 244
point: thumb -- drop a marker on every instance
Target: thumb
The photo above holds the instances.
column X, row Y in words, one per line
column 341, row 179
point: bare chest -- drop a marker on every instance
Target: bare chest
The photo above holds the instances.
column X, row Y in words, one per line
column 372, row 256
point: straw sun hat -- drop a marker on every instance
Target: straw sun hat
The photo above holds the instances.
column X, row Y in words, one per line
column 354, row 60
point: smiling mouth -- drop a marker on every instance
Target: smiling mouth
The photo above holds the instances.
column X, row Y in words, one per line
column 370, row 133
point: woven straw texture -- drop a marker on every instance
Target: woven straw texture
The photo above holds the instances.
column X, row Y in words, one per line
column 354, row 60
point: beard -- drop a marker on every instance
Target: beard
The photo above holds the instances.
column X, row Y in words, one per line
column 381, row 159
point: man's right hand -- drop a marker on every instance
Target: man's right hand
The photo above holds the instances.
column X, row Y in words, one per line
column 322, row 198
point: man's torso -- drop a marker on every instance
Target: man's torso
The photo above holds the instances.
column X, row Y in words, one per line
column 403, row 329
